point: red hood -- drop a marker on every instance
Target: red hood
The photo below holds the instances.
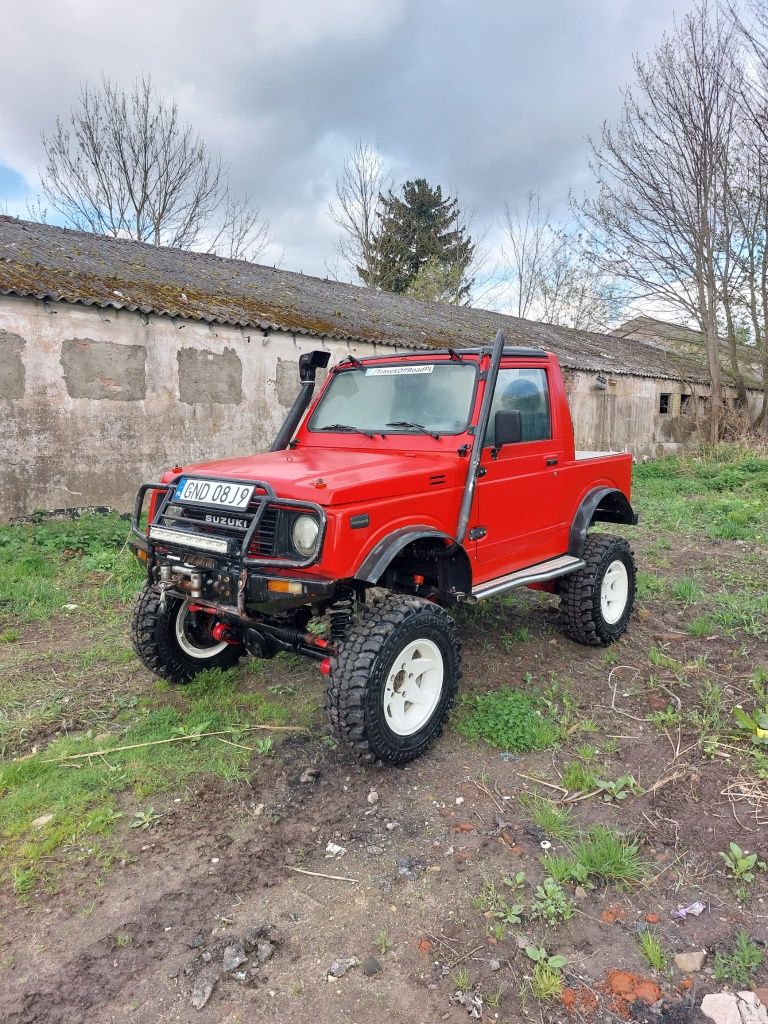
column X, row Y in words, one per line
column 348, row 474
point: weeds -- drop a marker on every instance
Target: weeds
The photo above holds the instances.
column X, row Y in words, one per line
column 740, row 864
column 83, row 800
column 492, row 902
column 551, row 904
column 382, row 942
column 509, row 719
column 619, row 789
column 462, row 980
column 546, row 983
column 754, row 724
column 145, row 819
column 740, row 965
column 718, row 492
column 493, row 999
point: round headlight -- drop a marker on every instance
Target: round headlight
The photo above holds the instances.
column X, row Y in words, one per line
column 304, row 534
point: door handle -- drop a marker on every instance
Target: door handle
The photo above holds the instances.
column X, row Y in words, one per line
column 552, row 461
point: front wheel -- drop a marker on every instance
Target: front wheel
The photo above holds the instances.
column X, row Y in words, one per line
column 174, row 641
column 394, row 681
column 597, row 601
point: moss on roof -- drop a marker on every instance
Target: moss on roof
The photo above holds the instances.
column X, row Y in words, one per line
column 59, row 264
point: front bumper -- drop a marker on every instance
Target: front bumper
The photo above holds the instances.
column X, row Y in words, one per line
column 219, row 569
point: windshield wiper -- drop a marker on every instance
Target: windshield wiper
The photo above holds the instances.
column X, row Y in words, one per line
column 414, row 426
column 347, row 429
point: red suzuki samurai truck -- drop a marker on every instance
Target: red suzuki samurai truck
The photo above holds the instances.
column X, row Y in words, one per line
column 412, row 482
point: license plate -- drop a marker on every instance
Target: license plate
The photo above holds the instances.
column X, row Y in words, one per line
column 213, row 492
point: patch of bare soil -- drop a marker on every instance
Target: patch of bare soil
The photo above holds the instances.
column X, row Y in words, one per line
column 395, row 933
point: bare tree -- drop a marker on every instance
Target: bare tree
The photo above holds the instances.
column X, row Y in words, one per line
column 241, row 230
column 356, row 210
column 657, row 219
column 125, row 165
column 530, row 246
column 549, row 274
column 749, row 194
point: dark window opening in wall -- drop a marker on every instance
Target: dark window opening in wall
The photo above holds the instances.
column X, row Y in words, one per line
column 665, row 404
column 686, row 404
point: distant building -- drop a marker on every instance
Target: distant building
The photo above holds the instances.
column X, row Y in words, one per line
column 120, row 359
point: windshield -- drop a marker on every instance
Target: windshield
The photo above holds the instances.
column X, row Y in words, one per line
column 403, row 399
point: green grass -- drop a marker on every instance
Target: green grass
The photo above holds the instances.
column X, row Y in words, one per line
column 652, row 951
column 610, row 856
column 649, row 585
column 718, row 492
column 44, row 566
column 88, row 695
column 580, row 777
column 510, row 719
column 87, row 801
column 546, row 984
column 602, row 854
column 554, row 822
column 687, row 591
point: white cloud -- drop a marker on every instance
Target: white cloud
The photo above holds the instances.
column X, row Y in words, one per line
column 494, row 97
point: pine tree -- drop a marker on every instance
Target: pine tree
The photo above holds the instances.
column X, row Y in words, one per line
column 420, row 230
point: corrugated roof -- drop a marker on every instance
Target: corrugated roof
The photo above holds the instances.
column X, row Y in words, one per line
column 688, row 342
column 56, row 263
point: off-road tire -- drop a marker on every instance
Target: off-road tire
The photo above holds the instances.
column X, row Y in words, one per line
column 356, row 686
column 581, row 611
column 154, row 641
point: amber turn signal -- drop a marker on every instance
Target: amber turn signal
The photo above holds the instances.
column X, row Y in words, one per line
column 285, row 587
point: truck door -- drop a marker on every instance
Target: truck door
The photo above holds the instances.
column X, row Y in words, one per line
column 519, row 488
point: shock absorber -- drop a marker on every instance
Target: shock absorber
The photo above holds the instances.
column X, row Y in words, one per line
column 341, row 612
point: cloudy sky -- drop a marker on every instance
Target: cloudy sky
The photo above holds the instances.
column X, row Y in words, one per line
column 494, row 96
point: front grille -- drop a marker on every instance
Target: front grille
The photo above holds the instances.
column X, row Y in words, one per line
column 265, row 543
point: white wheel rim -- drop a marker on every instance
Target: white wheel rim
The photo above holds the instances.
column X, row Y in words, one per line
column 187, row 642
column 614, row 592
column 413, row 688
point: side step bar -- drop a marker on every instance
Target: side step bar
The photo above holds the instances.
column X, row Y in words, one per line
column 550, row 570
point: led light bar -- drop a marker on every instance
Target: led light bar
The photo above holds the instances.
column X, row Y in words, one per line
column 188, row 540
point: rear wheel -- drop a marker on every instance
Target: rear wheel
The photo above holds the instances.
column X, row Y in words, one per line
column 394, row 680
column 174, row 641
column 596, row 603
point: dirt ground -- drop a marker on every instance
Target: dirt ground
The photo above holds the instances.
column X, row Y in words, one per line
column 137, row 942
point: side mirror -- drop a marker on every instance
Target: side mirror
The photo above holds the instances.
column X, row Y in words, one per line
column 310, row 363
column 508, row 426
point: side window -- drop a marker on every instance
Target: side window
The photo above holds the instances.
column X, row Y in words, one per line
column 525, row 391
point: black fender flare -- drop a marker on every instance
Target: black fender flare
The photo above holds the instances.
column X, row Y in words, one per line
column 376, row 561
column 602, row 504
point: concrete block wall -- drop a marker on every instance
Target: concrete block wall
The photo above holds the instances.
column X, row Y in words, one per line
column 95, row 401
